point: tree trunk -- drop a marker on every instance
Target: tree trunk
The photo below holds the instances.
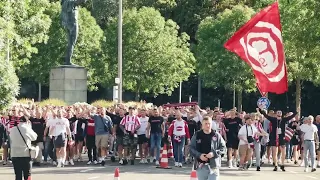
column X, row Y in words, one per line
column 239, row 101
column 298, row 95
column 137, row 98
column 39, row 92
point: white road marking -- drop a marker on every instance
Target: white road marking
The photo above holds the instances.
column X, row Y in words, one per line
column 86, row 170
column 293, row 172
column 311, row 177
column 96, row 177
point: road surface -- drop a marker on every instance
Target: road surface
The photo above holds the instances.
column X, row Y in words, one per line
column 142, row 172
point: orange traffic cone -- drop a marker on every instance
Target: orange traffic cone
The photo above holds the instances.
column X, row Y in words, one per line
column 116, row 174
column 193, row 175
column 164, row 162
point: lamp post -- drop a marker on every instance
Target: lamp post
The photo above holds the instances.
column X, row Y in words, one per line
column 120, row 53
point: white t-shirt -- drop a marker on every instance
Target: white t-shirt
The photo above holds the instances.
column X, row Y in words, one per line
column 60, row 126
column 252, row 130
column 143, row 125
column 308, row 131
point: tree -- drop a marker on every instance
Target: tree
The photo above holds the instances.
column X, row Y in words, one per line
column 155, row 57
column 50, row 54
column 217, row 66
column 300, row 21
column 28, row 26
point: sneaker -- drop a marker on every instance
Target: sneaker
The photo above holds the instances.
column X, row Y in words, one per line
column 176, row 164
column 302, row 164
column 234, row 163
column 275, row 168
column 66, row 163
column 258, row 168
column 157, row 163
column 146, row 161
column 89, row 162
column 121, row 162
column 288, row 160
column 4, row 163
column 71, row 162
column 230, row 164
column 142, row 161
column 180, row 164
column 306, row 169
column 59, row 165
column 313, row 169
column 95, row 162
column 54, row 163
column 269, row 161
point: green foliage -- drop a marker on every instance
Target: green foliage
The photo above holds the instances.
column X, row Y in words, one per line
column 27, row 25
column 9, row 83
column 300, row 21
column 155, row 57
column 54, row 102
column 52, row 53
column 102, row 103
column 217, row 66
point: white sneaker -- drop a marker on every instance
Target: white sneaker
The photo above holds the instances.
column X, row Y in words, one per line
column 288, row 161
column 319, row 163
column 66, row 163
column 121, row 162
column 234, row 163
column 89, row 162
column 176, row 164
column 230, row 164
column 59, row 165
column 145, row 161
column 95, row 162
column 142, row 161
column 71, row 162
column 269, row 161
column 306, row 169
column 180, row 164
column 157, row 163
column 54, row 163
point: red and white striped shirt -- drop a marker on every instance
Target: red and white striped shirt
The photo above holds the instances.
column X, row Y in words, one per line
column 179, row 128
column 260, row 129
column 130, row 123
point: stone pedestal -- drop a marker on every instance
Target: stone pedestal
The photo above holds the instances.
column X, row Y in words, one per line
column 69, row 83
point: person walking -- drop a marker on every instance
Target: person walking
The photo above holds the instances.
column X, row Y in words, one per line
column 21, row 137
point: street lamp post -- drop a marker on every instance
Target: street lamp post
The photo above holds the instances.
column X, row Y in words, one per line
column 120, row 52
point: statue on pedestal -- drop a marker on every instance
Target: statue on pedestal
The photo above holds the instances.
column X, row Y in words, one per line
column 69, row 18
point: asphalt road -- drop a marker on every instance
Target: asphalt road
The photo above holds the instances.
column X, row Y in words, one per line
column 142, row 172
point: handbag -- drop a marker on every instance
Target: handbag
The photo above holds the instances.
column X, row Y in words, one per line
column 249, row 138
column 33, row 151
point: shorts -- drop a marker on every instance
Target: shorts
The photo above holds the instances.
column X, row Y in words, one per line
column 281, row 141
column 129, row 140
column 245, row 150
column 79, row 138
column 102, row 141
column 142, row 139
column 119, row 140
column 60, row 141
column 233, row 143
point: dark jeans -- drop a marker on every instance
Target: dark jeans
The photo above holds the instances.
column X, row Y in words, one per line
column 91, row 146
column 22, row 165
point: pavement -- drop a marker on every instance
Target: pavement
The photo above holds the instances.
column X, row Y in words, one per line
column 81, row 171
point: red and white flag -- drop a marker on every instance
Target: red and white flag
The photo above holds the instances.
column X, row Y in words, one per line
column 259, row 44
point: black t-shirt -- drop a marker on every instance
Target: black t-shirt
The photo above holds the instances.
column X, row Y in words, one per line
column 155, row 124
column 233, row 125
column 116, row 119
column 204, row 143
column 193, row 126
column 38, row 126
column 81, row 122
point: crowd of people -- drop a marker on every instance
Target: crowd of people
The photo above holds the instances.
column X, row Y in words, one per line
column 58, row 135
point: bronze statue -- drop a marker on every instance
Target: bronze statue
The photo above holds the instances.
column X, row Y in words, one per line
column 69, row 18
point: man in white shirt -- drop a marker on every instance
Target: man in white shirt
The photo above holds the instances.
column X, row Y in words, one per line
column 142, row 139
column 59, row 128
column 310, row 137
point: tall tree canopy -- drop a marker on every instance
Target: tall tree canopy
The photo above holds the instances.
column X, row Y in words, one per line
column 156, row 58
